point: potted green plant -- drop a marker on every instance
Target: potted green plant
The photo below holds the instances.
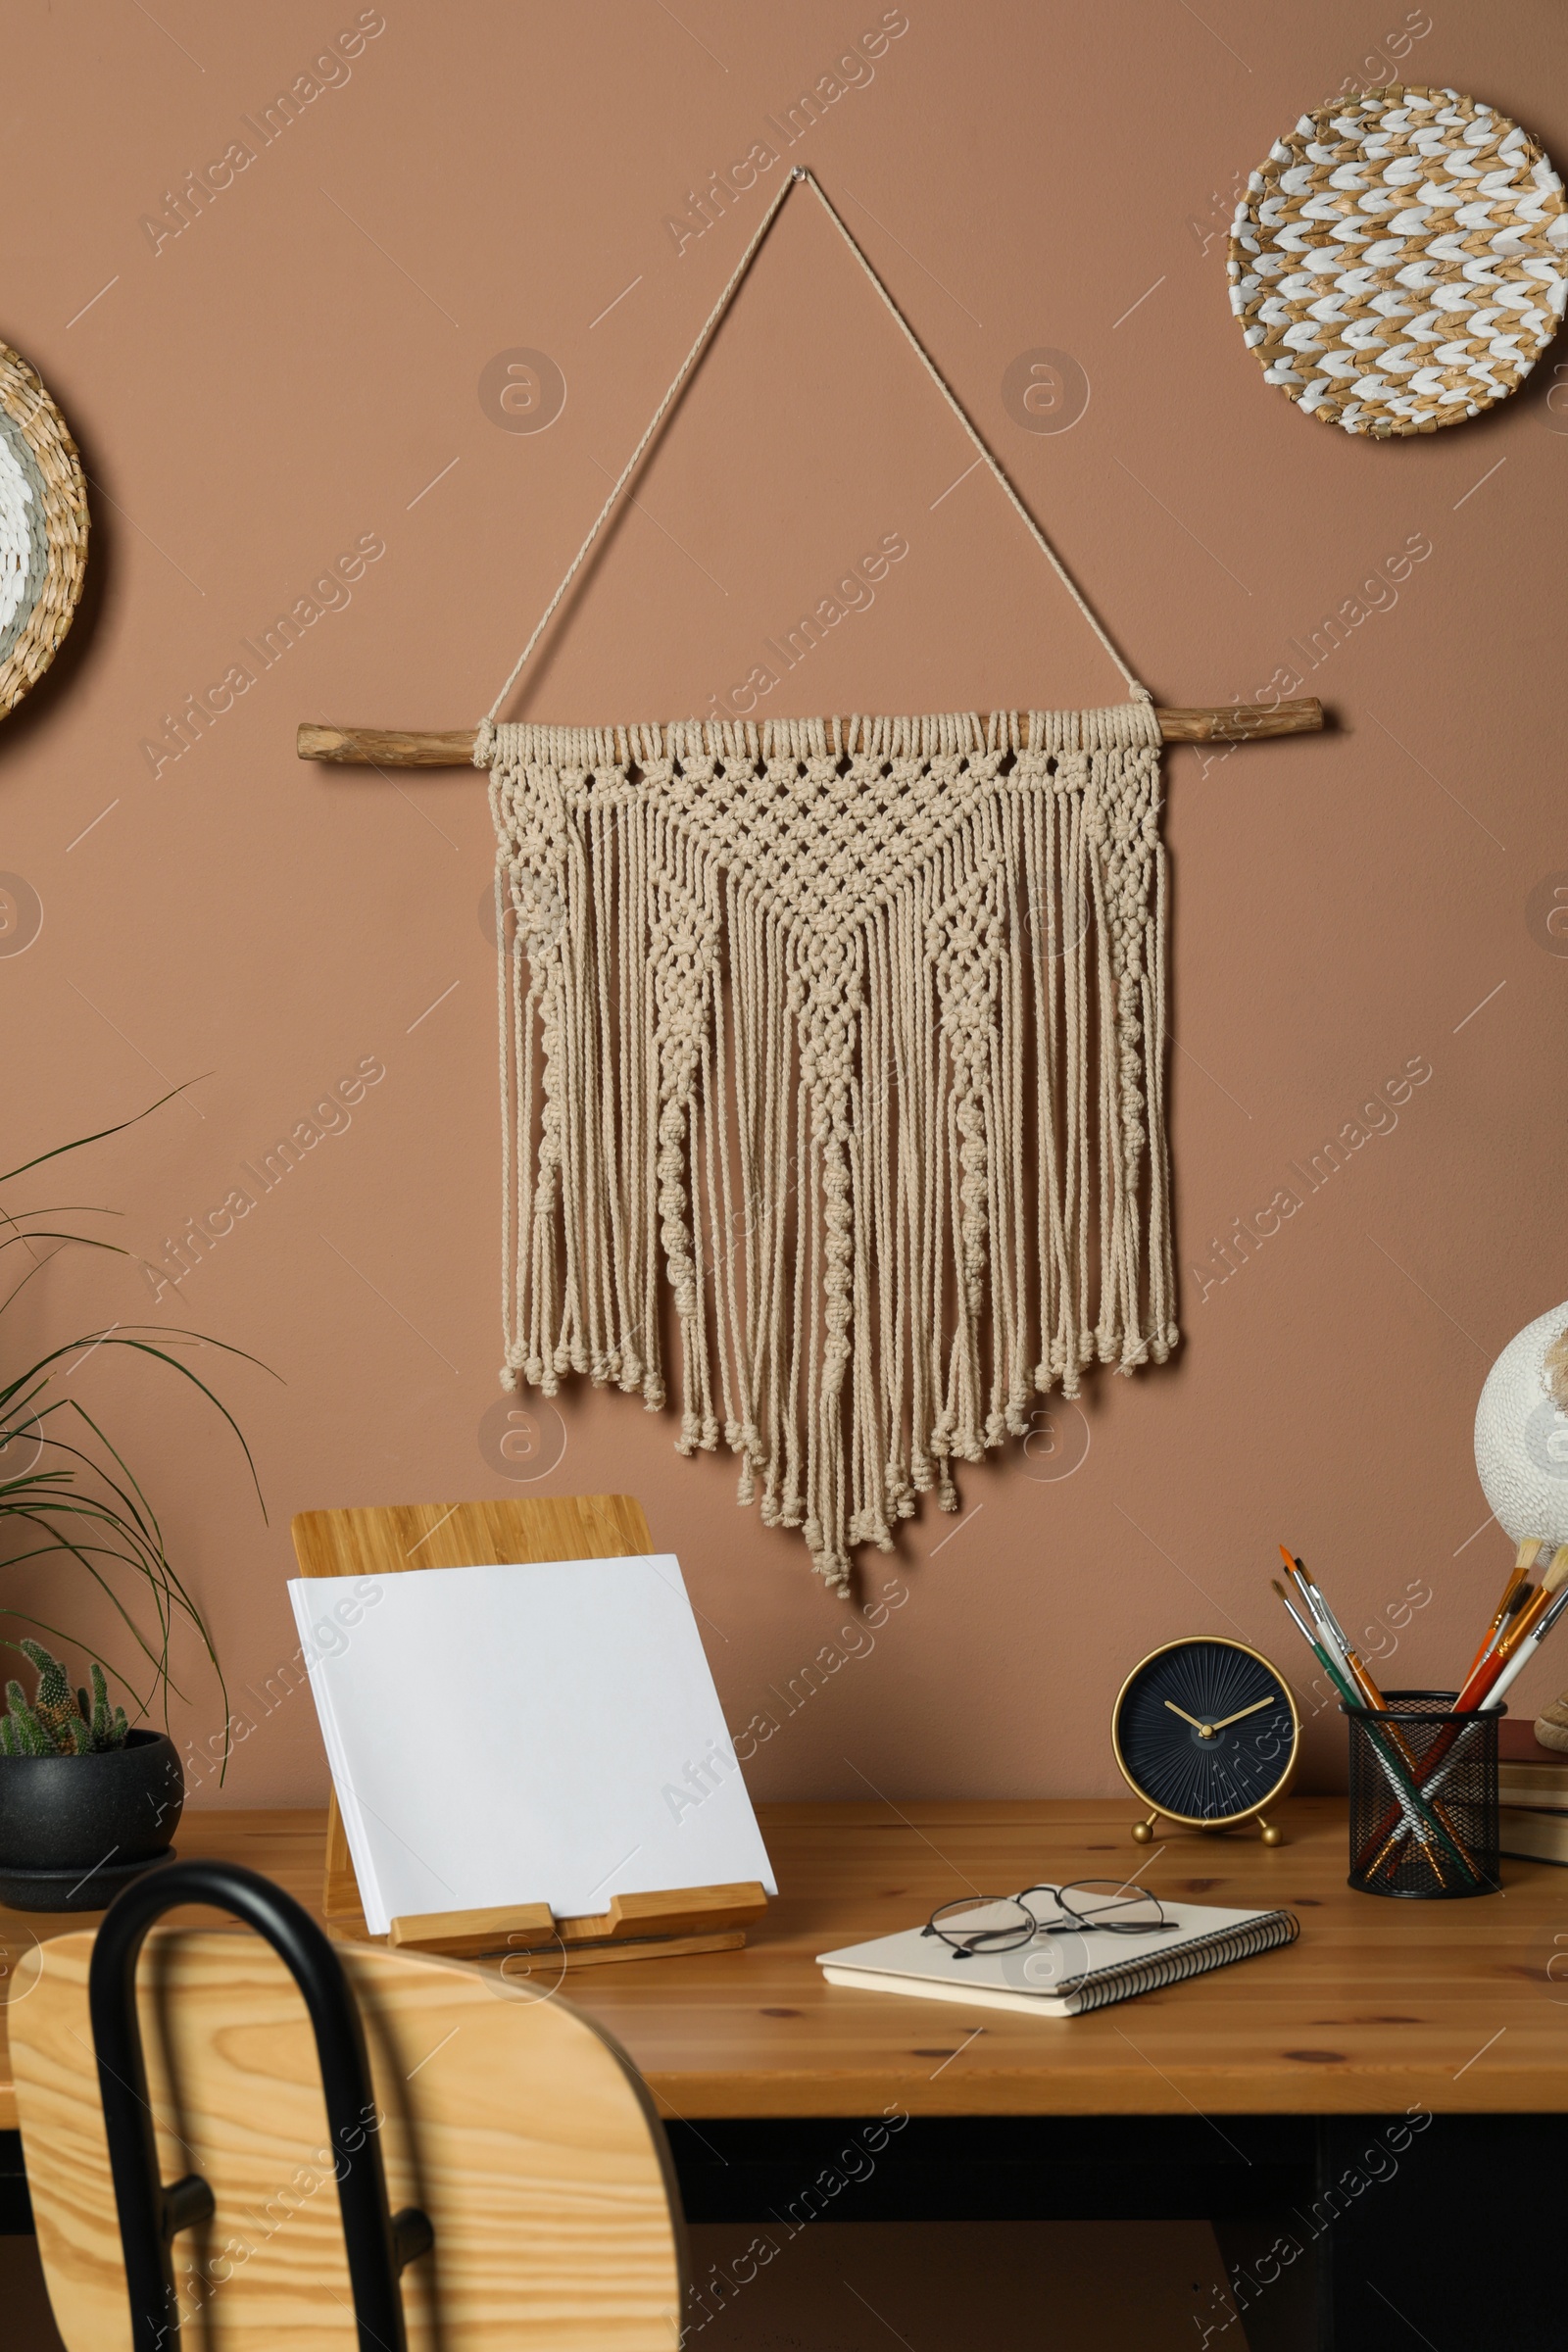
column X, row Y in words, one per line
column 88, row 1802
column 87, row 1796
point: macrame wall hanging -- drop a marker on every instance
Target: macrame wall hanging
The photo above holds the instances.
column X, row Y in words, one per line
column 845, row 1038
column 855, row 1031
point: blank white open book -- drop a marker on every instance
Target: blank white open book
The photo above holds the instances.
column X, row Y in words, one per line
column 543, row 1732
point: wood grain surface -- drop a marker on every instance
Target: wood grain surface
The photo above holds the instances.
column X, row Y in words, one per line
column 385, row 747
column 693, row 1911
column 381, row 1540
column 397, row 747
column 1379, row 2006
column 502, row 2114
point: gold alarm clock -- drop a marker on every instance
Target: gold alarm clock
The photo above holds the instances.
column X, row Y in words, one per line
column 1207, row 1733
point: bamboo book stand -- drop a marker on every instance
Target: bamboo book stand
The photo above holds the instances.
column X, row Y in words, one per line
column 380, row 1541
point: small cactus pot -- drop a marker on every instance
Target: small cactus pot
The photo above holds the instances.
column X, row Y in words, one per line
column 73, row 1830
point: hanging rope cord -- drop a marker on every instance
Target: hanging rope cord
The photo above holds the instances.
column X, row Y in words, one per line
column 485, row 740
column 803, row 1113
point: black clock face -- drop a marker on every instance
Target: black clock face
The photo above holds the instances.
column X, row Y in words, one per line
column 1205, row 1731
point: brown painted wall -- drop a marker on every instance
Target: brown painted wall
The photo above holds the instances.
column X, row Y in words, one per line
column 298, row 371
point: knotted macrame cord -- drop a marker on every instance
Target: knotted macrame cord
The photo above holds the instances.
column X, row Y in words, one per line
column 802, row 1001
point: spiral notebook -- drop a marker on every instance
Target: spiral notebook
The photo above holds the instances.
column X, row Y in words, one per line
column 1061, row 1976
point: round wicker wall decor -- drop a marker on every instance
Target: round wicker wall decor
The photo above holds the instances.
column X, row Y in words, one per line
column 1398, row 261
column 43, row 528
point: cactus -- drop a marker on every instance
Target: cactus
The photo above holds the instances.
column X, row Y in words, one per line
column 21, row 1731
column 108, row 1728
column 58, row 1722
column 53, row 1707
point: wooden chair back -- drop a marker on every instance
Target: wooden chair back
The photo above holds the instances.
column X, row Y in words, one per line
column 517, row 2124
column 379, row 1540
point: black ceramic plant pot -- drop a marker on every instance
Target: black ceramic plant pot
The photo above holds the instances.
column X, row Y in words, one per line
column 73, row 1830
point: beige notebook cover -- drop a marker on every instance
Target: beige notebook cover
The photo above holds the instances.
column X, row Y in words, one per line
column 1062, row 1975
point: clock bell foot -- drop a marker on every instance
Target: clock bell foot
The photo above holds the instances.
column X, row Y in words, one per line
column 1143, row 1830
column 1268, row 1833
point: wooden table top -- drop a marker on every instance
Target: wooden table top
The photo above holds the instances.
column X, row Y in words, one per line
column 1379, row 2007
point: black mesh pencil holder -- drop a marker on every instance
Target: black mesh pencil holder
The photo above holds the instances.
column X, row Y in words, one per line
column 1423, row 1797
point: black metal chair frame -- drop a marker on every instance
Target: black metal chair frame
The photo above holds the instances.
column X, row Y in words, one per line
column 379, row 2243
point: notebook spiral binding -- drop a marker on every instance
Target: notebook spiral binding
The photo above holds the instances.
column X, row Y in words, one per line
column 1193, row 1959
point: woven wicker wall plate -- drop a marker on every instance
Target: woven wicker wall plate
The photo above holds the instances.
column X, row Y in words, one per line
column 1398, row 261
column 43, row 528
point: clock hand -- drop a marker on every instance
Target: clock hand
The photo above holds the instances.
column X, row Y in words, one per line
column 1236, row 1718
column 1205, row 1730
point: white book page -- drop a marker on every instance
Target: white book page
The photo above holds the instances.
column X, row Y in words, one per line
column 323, row 1628
column 543, row 1732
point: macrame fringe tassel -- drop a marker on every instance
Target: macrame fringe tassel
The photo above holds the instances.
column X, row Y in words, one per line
column 849, row 1036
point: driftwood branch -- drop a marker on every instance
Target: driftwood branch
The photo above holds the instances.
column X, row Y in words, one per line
column 395, row 747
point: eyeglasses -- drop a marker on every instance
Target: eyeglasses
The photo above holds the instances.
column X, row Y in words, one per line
column 980, row 1925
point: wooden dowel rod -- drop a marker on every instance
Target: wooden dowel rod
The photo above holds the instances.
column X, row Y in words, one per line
column 385, row 747
column 1242, row 723
column 392, row 746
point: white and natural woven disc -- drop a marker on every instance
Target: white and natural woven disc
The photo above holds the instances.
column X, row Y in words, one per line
column 1398, row 262
column 43, row 528
column 1522, row 1432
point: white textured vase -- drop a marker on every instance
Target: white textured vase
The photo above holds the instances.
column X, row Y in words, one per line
column 1522, row 1432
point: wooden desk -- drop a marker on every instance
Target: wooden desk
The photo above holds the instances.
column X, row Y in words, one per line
column 1272, row 2099
column 1379, row 2007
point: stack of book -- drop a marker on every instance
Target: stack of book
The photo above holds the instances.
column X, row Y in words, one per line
column 1532, row 1794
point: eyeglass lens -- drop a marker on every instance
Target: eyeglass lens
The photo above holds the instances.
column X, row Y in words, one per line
column 1112, row 1905
column 988, row 1923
